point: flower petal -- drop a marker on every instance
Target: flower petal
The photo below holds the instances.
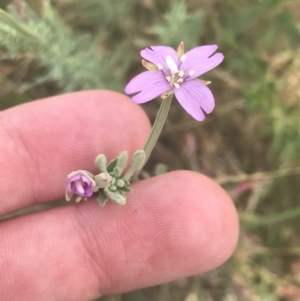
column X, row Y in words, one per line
column 89, row 191
column 79, row 188
column 201, row 51
column 198, row 60
column 157, row 55
column 86, row 180
column 150, row 84
column 193, row 95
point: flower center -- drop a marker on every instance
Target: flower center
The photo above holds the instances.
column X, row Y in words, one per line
column 176, row 76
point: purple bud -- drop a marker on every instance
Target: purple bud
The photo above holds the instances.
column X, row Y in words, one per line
column 80, row 184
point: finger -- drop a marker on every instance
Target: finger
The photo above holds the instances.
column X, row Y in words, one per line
column 42, row 142
column 175, row 225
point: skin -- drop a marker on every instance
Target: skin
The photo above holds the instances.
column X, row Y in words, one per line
column 175, row 225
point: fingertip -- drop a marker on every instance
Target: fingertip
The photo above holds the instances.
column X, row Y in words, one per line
column 222, row 216
column 203, row 223
column 217, row 213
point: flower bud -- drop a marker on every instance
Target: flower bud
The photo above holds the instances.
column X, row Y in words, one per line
column 101, row 162
column 116, row 197
column 120, row 183
column 80, row 184
column 138, row 159
column 137, row 163
column 102, row 180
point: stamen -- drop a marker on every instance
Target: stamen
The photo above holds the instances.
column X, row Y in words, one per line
column 168, row 78
column 191, row 73
column 179, row 80
column 180, row 73
column 171, row 65
column 176, row 86
column 159, row 66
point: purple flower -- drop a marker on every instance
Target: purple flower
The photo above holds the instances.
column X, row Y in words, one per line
column 175, row 72
column 80, row 184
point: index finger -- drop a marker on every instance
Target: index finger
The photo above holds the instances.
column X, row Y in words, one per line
column 43, row 141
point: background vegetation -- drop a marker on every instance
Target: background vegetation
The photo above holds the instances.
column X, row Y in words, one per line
column 250, row 144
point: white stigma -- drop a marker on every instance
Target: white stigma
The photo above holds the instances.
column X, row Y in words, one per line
column 171, row 65
column 191, row 73
column 159, row 67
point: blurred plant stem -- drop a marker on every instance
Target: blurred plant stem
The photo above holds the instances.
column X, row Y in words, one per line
column 258, row 175
column 258, row 250
column 255, row 220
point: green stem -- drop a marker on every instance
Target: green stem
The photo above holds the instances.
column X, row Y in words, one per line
column 157, row 128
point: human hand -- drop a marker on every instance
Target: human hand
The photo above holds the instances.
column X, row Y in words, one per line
column 174, row 225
